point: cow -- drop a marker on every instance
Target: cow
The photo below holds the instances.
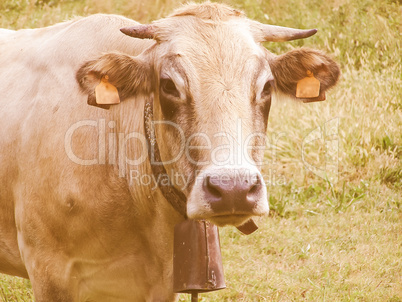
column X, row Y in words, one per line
column 4, row 31
column 83, row 102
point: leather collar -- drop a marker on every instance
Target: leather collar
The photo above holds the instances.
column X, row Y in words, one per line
column 175, row 197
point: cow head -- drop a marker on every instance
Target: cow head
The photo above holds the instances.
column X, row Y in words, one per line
column 212, row 84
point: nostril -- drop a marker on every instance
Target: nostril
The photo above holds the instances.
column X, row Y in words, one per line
column 228, row 194
column 256, row 186
column 211, row 188
column 254, row 189
column 214, row 191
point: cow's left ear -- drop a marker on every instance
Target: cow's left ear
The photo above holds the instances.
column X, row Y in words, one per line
column 113, row 76
column 291, row 70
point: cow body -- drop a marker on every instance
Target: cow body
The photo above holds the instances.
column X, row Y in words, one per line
column 73, row 219
column 78, row 225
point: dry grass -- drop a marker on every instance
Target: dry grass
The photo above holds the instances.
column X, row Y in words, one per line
column 323, row 241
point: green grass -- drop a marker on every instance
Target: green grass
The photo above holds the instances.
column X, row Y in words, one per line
column 322, row 241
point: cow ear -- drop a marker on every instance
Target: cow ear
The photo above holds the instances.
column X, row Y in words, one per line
column 302, row 67
column 112, row 77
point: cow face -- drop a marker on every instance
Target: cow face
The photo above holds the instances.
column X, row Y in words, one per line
column 212, row 84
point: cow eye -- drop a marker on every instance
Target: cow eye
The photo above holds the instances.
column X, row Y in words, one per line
column 169, row 87
column 267, row 89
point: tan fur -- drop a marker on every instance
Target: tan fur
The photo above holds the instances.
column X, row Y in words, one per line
column 84, row 232
column 127, row 74
column 80, row 233
column 292, row 66
column 208, row 11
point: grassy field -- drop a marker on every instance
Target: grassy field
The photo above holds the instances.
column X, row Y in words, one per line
column 337, row 238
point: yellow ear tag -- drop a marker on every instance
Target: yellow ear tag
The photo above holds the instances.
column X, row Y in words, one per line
column 106, row 93
column 308, row 87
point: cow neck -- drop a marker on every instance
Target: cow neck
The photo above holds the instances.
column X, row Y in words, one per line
column 174, row 196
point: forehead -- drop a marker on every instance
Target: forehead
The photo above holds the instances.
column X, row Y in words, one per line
column 192, row 36
column 212, row 47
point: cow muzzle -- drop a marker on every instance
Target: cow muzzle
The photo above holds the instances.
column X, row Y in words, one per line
column 228, row 195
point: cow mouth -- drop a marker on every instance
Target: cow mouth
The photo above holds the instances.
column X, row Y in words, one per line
column 229, row 219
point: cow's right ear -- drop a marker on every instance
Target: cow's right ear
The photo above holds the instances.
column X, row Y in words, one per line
column 111, row 71
column 304, row 67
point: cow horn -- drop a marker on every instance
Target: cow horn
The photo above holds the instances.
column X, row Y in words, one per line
column 273, row 33
column 141, row 31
